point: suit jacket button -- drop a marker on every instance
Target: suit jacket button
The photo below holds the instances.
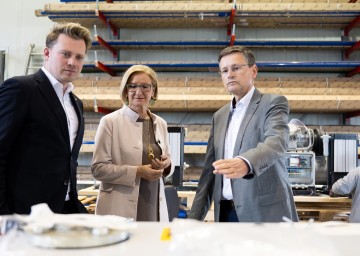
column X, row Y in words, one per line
column 66, row 182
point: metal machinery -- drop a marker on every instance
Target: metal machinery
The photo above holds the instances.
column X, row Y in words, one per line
column 315, row 160
column 300, row 159
column 176, row 141
column 343, row 155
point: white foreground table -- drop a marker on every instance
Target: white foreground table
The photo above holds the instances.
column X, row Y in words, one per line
column 198, row 238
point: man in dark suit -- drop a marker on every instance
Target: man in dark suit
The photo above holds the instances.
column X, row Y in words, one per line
column 244, row 171
column 42, row 127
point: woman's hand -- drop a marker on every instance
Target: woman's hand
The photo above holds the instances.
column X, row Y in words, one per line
column 160, row 164
column 148, row 173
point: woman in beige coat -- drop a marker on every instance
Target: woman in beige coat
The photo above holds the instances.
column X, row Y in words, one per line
column 132, row 153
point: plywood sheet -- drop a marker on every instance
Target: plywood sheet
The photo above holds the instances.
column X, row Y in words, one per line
column 161, row 14
column 208, row 94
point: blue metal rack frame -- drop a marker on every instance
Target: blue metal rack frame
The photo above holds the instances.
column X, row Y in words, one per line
column 327, row 67
column 224, row 43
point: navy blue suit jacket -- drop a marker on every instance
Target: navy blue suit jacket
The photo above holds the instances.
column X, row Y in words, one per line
column 36, row 160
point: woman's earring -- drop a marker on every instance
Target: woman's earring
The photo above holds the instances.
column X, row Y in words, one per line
column 126, row 99
column 152, row 101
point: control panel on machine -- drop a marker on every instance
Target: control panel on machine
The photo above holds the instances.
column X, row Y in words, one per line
column 301, row 168
column 300, row 159
column 315, row 159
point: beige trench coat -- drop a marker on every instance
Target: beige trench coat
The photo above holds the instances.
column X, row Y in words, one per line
column 118, row 152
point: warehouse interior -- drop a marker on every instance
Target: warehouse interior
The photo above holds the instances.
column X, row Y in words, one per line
column 306, row 50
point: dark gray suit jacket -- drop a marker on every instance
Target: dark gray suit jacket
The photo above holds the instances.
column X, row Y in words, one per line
column 36, row 160
column 265, row 195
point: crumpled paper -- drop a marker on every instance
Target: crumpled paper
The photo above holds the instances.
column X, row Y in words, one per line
column 42, row 218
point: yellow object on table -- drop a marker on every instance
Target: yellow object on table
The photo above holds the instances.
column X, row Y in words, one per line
column 166, row 234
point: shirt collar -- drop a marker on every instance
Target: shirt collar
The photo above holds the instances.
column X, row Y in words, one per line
column 131, row 113
column 245, row 101
column 55, row 83
column 135, row 116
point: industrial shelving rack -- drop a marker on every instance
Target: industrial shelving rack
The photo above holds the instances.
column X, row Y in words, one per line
column 336, row 89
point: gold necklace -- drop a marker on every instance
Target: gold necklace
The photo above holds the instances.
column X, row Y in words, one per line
column 150, row 149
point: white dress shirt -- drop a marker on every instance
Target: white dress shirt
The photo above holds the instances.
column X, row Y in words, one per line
column 72, row 118
column 238, row 113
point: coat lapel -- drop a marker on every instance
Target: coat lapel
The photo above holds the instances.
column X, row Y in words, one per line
column 253, row 105
column 78, row 110
column 220, row 132
column 52, row 99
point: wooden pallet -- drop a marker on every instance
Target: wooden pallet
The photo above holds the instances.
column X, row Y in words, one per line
column 89, row 202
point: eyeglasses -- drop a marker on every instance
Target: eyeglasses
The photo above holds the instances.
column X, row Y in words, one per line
column 143, row 87
column 233, row 68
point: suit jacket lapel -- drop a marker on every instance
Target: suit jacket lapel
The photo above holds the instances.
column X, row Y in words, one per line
column 78, row 110
column 222, row 125
column 52, row 99
column 253, row 105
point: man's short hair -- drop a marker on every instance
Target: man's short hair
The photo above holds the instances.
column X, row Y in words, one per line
column 246, row 52
column 73, row 30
